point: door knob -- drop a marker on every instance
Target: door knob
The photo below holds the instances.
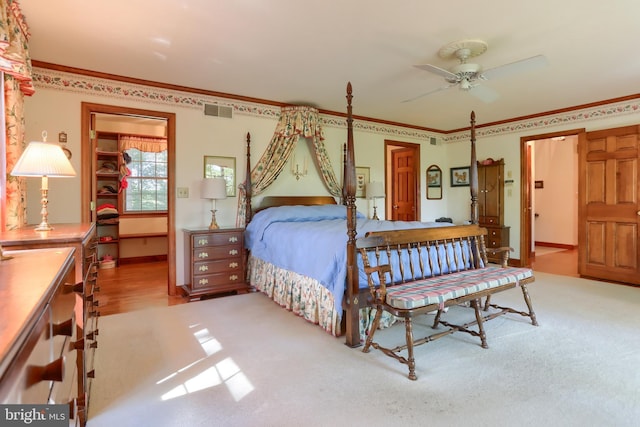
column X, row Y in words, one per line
column 395, row 206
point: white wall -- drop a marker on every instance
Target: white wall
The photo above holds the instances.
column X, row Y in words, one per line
column 556, row 165
column 55, row 107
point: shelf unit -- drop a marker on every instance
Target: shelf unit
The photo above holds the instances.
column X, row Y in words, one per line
column 106, row 183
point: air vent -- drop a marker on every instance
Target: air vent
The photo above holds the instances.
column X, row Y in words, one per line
column 218, row 111
column 433, row 141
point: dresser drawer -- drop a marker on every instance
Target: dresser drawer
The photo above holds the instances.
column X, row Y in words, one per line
column 23, row 381
column 217, row 252
column 216, row 279
column 217, row 239
column 217, row 266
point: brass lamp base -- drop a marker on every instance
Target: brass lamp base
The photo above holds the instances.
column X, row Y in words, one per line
column 375, row 213
column 214, row 225
column 44, row 201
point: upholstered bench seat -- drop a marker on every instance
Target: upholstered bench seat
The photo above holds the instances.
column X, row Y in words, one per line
column 439, row 289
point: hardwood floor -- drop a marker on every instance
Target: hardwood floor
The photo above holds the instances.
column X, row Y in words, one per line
column 133, row 287
column 563, row 262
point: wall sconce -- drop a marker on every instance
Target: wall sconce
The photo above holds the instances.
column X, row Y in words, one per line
column 375, row 190
column 295, row 168
column 214, row 189
column 45, row 160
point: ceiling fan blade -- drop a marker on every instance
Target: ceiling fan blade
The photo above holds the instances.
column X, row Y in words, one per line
column 528, row 64
column 439, row 71
column 429, row 93
column 484, row 93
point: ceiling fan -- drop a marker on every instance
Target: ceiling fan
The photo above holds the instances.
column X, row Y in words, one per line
column 467, row 76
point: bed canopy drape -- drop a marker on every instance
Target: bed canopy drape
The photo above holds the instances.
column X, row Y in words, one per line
column 295, row 122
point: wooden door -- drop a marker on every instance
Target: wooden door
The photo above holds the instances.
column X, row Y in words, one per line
column 608, row 230
column 403, row 197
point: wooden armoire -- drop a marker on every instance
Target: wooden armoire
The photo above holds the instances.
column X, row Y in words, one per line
column 491, row 204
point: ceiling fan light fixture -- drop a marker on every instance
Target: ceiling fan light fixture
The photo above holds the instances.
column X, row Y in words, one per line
column 465, row 84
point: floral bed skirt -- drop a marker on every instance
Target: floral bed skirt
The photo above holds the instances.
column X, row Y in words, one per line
column 305, row 297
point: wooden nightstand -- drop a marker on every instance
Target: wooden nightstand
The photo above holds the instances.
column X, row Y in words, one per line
column 214, row 261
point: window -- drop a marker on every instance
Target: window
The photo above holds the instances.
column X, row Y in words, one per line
column 147, row 184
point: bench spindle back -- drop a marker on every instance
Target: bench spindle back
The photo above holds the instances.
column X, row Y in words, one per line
column 422, row 253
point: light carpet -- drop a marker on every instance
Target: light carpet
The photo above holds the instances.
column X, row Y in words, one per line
column 243, row 361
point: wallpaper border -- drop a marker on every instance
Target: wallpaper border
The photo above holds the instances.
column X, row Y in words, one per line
column 70, row 82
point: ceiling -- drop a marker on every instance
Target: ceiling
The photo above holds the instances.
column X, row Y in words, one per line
column 299, row 52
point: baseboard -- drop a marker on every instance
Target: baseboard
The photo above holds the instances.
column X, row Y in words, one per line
column 555, row 245
column 142, row 259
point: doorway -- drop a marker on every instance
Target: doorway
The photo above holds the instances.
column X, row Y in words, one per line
column 530, row 188
column 87, row 114
column 402, row 175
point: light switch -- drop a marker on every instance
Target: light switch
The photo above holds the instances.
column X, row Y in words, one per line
column 183, row 192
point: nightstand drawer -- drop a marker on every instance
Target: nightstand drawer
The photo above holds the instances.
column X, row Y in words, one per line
column 217, row 239
column 212, row 280
column 217, row 266
column 217, row 252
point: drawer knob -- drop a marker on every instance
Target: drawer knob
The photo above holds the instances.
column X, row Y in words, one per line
column 203, row 281
column 233, row 252
column 53, row 371
column 203, row 255
column 92, row 335
column 203, row 241
column 91, row 373
column 233, row 277
column 77, row 345
column 233, row 264
column 65, row 328
column 203, row 268
column 73, row 287
column 233, row 239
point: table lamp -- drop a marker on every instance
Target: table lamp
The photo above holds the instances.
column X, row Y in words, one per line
column 375, row 190
column 214, row 189
column 45, row 160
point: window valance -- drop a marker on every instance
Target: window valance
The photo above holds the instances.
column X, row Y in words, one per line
column 143, row 143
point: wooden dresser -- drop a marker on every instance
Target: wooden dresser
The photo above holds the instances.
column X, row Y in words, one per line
column 491, row 205
column 82, row 239
column 214, row 261
column 38, row 337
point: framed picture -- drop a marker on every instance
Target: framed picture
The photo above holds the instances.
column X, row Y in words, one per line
column 434, row 177
column 225, row 167
column 460, row 177
column 362, row 179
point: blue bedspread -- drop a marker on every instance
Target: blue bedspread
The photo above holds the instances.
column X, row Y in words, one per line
column 312, row 241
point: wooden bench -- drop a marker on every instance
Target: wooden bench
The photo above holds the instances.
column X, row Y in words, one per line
column 420, row 271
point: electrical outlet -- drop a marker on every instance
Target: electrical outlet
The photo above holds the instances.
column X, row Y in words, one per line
column 183, row 192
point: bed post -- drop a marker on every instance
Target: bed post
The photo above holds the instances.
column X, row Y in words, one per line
column 343, row 201
column 473, row 171
column 351, row 308
column 248, row 191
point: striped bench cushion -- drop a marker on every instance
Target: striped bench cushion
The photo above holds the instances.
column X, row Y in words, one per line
column 437, row 290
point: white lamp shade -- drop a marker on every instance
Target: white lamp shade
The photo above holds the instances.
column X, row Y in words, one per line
column 43, row 159
column 213, row 188
column 374, row 190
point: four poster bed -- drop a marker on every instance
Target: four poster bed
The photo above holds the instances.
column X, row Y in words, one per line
column 301, row 256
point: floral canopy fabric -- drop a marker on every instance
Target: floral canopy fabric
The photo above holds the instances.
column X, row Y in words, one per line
column 295, row 122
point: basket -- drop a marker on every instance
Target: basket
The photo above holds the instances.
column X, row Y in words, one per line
column 107, row 264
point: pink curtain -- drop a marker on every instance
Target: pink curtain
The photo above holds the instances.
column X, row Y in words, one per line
column 15, row 66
